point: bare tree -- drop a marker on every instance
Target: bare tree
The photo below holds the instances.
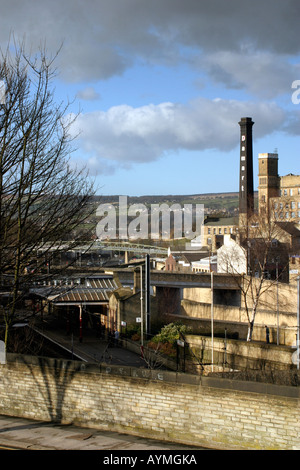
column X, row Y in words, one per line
column 42, row 198
column 257, row 261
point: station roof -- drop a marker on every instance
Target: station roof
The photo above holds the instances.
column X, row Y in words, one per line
column 82, row 295
column 95, row 290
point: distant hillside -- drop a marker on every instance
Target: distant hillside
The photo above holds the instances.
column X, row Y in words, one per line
column 226, row 203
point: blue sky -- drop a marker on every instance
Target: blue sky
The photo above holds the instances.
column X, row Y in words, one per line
column 162, row 84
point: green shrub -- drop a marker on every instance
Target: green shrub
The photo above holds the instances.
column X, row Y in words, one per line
column 171, row 333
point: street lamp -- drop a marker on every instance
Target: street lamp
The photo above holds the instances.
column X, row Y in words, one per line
column 142, row 313
column 298, row 323
column 212, row 319
column 277, row 274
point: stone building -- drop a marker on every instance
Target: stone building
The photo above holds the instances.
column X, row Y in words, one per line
column 278, row 196
column 278, row 200
column 215, row 229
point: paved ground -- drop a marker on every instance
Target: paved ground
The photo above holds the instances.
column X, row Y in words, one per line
column 91, row 348
column 35, row 435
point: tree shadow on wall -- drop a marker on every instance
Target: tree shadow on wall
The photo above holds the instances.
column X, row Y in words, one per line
column 52, row 377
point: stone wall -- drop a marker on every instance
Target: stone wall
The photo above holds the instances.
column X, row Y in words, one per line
column 198, row 316
column 196, row 304
column 230, row 354
column 210, row 412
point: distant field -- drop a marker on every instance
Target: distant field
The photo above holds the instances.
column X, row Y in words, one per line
column 214, row 201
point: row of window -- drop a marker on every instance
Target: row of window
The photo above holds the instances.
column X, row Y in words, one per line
column 290, row 192
column 221, row 230
column 287, row 215
column 287, row 205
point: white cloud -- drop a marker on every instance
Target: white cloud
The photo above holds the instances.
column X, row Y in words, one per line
column 88, row 94
column 124, row 135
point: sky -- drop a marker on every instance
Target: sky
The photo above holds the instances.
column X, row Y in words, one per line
column 162, row 84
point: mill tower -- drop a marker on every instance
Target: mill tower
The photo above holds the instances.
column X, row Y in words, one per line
column 246, row 191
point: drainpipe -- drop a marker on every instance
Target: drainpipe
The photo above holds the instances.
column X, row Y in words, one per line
column 80, row 323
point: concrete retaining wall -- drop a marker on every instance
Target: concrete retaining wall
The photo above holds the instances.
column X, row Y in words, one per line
column 235, row 320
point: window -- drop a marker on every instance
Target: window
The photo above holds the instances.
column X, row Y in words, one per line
column 291, row 192
column 293, row 205
column 285, row 192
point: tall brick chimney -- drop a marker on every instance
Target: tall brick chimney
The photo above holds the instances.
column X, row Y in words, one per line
column 246, row 193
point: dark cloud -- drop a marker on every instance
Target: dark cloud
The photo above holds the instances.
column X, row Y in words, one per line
column 249, row 45
column 103, row 38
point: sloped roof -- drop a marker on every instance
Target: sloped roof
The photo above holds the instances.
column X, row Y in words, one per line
column 95, row 291
column 83, row 295
column 221, row 221
column 290, row 228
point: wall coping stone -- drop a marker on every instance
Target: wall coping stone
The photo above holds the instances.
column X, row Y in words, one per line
column 286, row 391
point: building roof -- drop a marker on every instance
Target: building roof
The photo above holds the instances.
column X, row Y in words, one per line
column 94, row 290
column 289, row 227
column 224, row 221
column 82, row 295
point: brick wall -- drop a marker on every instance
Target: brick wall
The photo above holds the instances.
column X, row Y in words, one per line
column 164, row 405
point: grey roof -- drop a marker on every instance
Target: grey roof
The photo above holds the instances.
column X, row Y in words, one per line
column 95, row 290
column 83, row 295
column 224, row 221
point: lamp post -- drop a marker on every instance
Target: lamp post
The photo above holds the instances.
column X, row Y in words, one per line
column 212, row 319
column 142, row 314
column 277, row 273
column 147, row 293
column 298, row 323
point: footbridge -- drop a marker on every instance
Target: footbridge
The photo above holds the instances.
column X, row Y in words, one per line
column 169, row 286
column 180, row 279
column 97, row 245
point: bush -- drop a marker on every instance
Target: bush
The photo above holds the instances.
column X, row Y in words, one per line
column 171, row 333
column 163, row 348
column 136, row 337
